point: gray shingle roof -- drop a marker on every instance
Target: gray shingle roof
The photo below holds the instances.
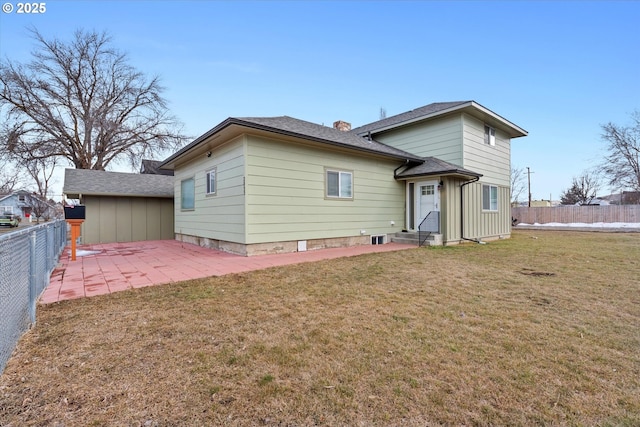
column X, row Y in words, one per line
column 101, row 183
column 325, row 134
column 152, row 167
column 435, row 166
column 290, row 126
column 408, row 116
column 357, row 138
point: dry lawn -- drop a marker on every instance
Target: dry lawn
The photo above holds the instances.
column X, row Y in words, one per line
column 541, row 329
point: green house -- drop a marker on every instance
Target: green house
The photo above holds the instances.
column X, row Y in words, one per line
column 278, row 184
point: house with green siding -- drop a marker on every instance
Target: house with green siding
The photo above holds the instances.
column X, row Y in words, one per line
column 258, row 185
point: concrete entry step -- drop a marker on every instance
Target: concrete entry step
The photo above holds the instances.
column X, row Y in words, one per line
column 411, row 238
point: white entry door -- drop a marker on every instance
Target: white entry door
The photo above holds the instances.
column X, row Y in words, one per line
column 422, row 198
column 427, row 199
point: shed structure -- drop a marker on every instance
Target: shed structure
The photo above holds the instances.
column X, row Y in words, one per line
column 122, row 207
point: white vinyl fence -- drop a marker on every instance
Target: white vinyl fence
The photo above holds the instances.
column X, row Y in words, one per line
column 27, row 258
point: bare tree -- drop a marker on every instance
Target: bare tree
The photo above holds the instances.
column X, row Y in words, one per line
column 41, row 170
column 583, row 189
column 10, row 176
column 82, row 101
column 622, row 164
column 40, row 207
column 518, row 183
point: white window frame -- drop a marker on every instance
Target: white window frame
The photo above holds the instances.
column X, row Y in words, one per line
column 491, row 204
column 428, row 190
column 7, row 209
column 182, row 193
column 378, row 239
column 211, row 173
column 489, row 135
column 342, row 174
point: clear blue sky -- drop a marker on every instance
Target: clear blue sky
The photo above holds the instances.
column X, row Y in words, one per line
column 557, row 69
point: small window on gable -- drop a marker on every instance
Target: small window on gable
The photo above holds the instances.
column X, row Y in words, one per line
column 211, row 181
column 21, row 198
column 187, row 194
column 489, row 135
column 339, row 184
column 490, row 198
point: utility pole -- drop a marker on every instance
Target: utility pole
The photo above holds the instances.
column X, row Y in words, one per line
column 529, row 181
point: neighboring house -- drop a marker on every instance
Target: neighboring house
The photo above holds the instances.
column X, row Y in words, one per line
column 26, row 205
column 122, row 207
column 279, row 184
column 15, row 203
column 540, row 203
column 624, row 198
column 595, row 202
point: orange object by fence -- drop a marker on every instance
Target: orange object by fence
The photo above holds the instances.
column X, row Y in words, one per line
column 75, row 233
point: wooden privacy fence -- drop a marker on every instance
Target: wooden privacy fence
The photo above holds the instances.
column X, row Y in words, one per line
column 573, row 214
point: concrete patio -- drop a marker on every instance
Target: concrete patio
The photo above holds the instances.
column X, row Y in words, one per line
column 106, row 268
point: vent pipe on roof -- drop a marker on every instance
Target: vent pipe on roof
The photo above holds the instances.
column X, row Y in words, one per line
column 342, row 126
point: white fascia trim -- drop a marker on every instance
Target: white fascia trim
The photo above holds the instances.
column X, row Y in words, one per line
column 454, row 109
column 421, row 118
column 498, row 118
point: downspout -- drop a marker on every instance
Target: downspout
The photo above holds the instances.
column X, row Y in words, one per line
column 395, row 176
column 462, row 212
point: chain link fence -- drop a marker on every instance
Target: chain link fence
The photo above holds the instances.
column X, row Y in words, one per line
column 27, row 258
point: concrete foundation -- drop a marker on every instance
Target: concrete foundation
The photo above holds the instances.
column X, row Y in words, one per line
column 273, row 247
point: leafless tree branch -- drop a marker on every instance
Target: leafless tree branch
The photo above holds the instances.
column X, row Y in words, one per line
column 583, row 189
column 41, row 170
column 621, row 166
column 10, row 177
column 82, row 101
column 518, row 183
column 40, row 207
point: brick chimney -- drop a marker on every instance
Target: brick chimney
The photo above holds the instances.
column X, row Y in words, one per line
column 342, row 126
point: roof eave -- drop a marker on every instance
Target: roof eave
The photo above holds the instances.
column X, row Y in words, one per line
column 458, row 172
column 71, row 193
column 465, row 105
column 170, row 162
column 327, row 141
column 418, row 119
column 519, row 132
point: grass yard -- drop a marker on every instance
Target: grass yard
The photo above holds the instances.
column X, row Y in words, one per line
column 541, row 329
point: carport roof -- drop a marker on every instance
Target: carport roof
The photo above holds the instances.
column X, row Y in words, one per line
column 87, row 182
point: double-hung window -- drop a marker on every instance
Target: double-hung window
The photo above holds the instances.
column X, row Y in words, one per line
column 187, row 194
column 489, row 135
column 339, row 184
column 490, row 198
column 211, row 181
